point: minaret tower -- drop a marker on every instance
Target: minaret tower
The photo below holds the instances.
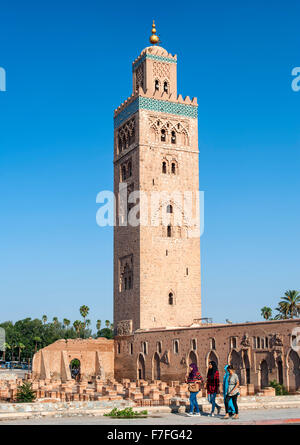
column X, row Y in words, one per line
column 156, row 265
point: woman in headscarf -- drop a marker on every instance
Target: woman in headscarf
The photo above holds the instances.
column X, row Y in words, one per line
column 194, row 379
column 231, row 410
column 212, row 386
column 232, row 392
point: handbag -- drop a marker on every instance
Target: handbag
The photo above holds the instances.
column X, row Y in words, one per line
column 193, row 387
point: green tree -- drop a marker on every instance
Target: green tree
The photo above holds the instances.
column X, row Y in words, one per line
column 25, row 393
column 107, row 323
column 266, row 312
column 84, row 310
column 77, row 326
column 66, row 322
column 55, row 321
column 289, row 306
column 98, row 325
column 21, row 346
column 45, row 319
column 6, row 347
column 36, row 341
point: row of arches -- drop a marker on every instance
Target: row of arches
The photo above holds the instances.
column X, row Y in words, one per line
column 241, row 364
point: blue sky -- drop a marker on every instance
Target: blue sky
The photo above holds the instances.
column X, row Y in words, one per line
column 68, row 65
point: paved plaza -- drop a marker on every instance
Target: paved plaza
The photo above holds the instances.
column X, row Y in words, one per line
column 250, row 417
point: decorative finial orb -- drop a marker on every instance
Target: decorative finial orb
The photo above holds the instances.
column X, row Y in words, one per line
column 154, row 39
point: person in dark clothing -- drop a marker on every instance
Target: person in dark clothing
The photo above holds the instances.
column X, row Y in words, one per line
column 212, row 386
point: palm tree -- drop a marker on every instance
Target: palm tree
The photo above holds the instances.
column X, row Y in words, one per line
column 292, row 300
column 20, row 347
column 44, row 318
column 289, row 306
column 84, row 310
column 55, row 321
column 77, row 326
column 98, row 325
column 36, row 341
column 66, row 322
column 88, row 322
column 107, row 323
column 6, row 347
column 112, row 326
column 266, row 312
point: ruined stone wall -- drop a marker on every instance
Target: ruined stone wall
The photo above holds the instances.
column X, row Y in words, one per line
column 257, row 364
column 96, row 359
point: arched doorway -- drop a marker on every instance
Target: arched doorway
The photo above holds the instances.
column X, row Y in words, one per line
column 246, row 367
column 156, row 367
column 264, row 374
column 141, row 368
column 75, row 369
column 294, row 371
column 192, row 358
column 280, row 371
column 212, row 358
column 236, row 362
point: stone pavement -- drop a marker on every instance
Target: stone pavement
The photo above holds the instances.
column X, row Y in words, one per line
column 250, row 417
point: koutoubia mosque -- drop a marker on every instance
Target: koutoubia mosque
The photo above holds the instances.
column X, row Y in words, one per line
column 159, row 328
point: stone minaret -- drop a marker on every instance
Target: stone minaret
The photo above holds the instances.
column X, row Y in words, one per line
column 156, row 265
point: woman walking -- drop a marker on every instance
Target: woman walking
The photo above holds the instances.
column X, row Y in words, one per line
column 212, row 386
column 232, row 393
column 194, row 379
column 225, row 389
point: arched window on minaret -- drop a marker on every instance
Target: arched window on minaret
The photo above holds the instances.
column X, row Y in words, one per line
column 169, row 231
column 164, row 167
column 169, row 208
column 156, row 85
column 173, row 168
column 173, row 137
column 163, row 135
column 171, row 298
column 166, row 87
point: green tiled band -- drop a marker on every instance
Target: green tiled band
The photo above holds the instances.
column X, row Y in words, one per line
column 147, row 103
column 153, row 57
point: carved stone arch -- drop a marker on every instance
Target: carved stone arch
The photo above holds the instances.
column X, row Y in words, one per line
column 264, row 373
column 164, row 129
column 157, row 81
column 171, row 297
column 153, row 133
column 235, row 359
column 141, row 367
column 293, row 370
column 279, row 367
column 184, row 138
column 166, row 82
column 176, row 208
column 156, row 366
column 176, row 170
column 192, row 357
column 209, row 354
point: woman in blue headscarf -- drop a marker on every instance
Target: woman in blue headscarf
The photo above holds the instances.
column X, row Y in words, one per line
column 225, row 390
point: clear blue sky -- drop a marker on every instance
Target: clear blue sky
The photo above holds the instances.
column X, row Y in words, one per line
column 68, row 66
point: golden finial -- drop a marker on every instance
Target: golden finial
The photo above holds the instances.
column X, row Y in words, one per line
column 154, row 39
